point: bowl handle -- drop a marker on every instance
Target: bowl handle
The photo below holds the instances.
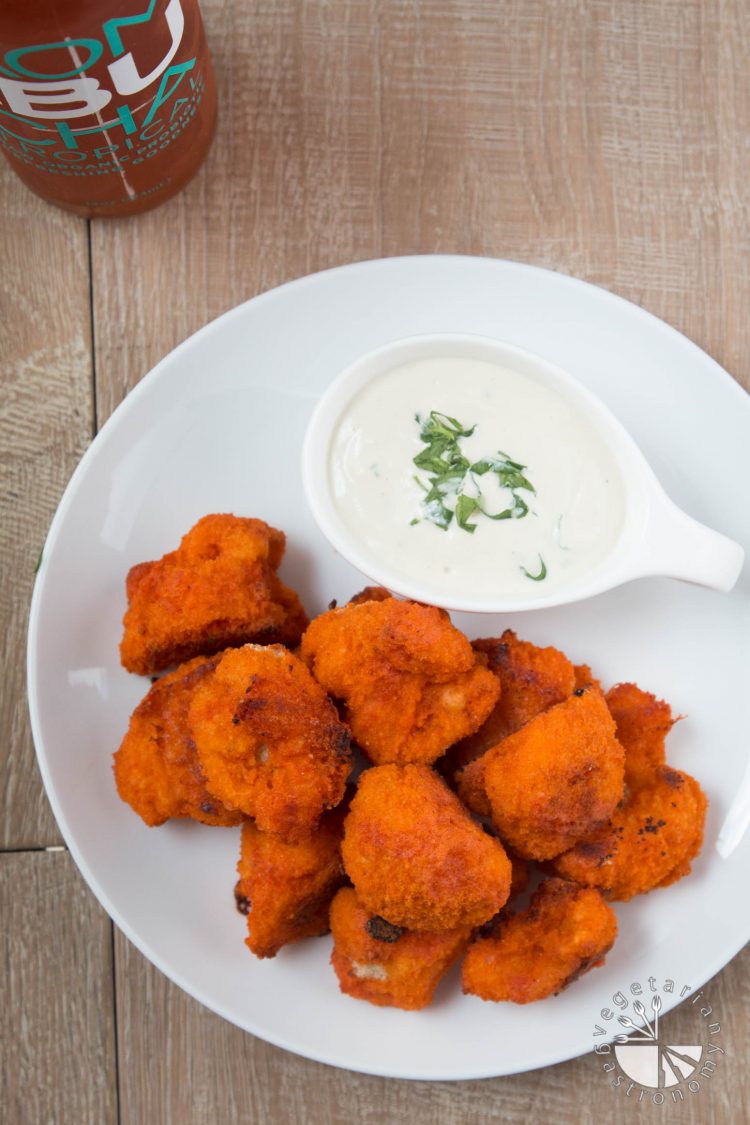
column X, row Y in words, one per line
column 681, row 547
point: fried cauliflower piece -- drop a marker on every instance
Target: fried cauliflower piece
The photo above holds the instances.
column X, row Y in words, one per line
column 416, row 857
column 370, row 594
column 532, row 680
column 650, row 840
column 469, row 784
column 219, row 589
column 410, row 682
column 585, row 678
column 565, row 931
column 157, row 771
column 286, row 889
column 386, row 964
column 555, row 780
column 643, row 723
column 269, row 740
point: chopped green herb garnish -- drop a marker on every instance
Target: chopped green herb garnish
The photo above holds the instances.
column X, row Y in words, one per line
column 453, row 486
column 507, row 472
column 542, row 571
column 39, row 561
column 466, row 506
column 436, row 512
column 441, row 426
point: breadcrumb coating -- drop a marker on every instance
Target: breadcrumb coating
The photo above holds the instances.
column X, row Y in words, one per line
column 410, row 682
column 385, row 964
column 286, row 889
column 157, row 771
column 370, row 594
column 555, row 780
column 643, row 723
column 469, row 784
column 585, row 678
column 270, row 741
column 416, row 857
column 650, row 840
column 532, row 680
column 565, row 931
column 219, row 589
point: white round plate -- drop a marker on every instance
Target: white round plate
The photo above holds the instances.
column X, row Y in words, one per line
column 217, row 427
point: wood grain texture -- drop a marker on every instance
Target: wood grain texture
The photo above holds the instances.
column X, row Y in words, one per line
column 233, row 1076
column 602, row 139
column 46, row 415
column 56, row 1022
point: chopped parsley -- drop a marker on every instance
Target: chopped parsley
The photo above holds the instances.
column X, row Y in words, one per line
column 542, row 571
column 454, row 484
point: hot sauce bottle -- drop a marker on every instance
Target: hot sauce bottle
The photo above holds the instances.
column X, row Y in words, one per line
column 107, row 107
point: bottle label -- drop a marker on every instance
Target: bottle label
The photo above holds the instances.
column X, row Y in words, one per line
column 105, row 102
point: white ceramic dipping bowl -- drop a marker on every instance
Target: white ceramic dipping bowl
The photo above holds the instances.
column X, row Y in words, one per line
column 657, row 538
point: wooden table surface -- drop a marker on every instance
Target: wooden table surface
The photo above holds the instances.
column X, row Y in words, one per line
column 600, row 138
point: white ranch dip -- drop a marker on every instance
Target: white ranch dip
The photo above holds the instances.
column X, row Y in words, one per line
column 572, row 490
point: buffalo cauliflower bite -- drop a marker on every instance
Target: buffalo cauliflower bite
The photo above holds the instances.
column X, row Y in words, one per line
column 643, row 723
column 565, row 931
column 409, row 680
column 157, row 771
column 386, row 964
column 532, row 680
column 585, row 678
column 469, row 784
column 286, row 889
column 370, row 594
column 219, row 589
column 415, row 856
column 555, row 780
column 650, row 840
column 270, row 741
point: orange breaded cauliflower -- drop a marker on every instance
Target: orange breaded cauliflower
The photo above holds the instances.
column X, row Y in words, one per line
column 555, row 780
column 157, row 771
column 386, row 964
column 650, row 840
column 370, row 594
column 269, row 740
column 286, row 889
column 532, row 680
column 643, row 723
column 565, row 931
column 410, row 682
column 585, row 678
column 219, row 589
column 416, row 857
